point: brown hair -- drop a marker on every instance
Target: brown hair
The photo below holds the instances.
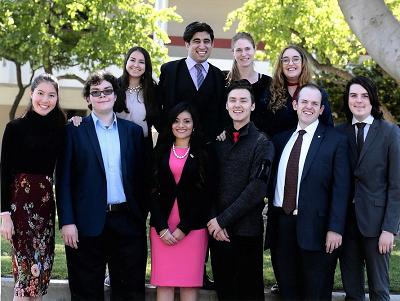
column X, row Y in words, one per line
column 234, row 74
column 278, row 84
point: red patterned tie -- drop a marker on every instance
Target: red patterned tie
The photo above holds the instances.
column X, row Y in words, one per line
column 236, row 136
column 292, row 173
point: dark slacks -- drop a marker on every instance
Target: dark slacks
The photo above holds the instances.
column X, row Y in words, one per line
column 358, row 251
column 301, row 274
column 123, row 250
column 238, row 267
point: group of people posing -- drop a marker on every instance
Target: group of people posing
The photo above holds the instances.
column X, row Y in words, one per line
column 227, row 141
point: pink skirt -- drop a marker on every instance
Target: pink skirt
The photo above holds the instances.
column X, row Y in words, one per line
column 180, row 265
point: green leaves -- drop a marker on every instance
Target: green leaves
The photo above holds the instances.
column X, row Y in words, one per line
column 57, row 34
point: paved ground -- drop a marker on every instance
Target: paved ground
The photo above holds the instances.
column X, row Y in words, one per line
column 58, row 291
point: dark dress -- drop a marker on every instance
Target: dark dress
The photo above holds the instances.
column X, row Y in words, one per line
column 29, row 151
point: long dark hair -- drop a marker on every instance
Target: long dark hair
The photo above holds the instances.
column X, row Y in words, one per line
column 59, row 115
column 148, row 84
column 167, row 138
column 368, row 85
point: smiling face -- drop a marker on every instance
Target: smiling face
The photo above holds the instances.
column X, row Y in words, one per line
column 239, row 107
column 200, row 46
column 44, row 98
column 308, row 106
column 103, row 104
column 359, row 102
column 243, row 52
column 292, row 70
column 136, row 64
column 182, row 127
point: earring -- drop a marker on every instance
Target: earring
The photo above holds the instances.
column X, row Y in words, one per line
column 193, row 130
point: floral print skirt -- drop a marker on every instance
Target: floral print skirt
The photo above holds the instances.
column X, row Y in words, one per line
column 33, row 214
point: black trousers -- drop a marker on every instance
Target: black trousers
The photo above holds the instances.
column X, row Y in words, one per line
column 125, row 253
column 360, row 252
column 301, row 274
column 238, row 267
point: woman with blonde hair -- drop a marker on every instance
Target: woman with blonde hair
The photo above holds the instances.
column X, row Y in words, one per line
column 243, row 50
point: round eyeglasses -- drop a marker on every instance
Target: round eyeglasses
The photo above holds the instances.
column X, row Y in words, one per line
column 295, row 60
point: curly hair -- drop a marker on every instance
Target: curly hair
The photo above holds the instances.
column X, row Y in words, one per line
column 234, row 74
column 95, row 79
column 278, row 87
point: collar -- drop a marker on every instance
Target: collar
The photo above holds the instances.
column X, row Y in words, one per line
column 310, row 129
column 190, row 64
column 369, row 120
column 98, row 121
column 243, row 130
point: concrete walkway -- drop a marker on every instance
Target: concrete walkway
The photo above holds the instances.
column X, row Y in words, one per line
column 59, row 291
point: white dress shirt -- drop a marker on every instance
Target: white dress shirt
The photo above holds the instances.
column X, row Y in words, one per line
column 280, row 184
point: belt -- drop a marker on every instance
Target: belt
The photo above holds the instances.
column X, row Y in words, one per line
column 117, row 207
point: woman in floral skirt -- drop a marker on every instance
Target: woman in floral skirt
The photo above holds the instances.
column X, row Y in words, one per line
column 30, row 147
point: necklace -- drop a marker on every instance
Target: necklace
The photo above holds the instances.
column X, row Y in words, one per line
column 136, row 89
column 176, row 155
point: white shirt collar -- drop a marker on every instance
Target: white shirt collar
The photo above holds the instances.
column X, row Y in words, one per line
column 310, row 129
column 191, row 62
column 369, row 120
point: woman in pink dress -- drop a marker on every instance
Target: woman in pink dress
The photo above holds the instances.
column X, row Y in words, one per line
column 179, row 207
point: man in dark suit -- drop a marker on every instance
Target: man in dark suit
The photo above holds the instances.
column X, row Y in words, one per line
column 99, row 199
column 307, row 202
column 196, row 81
column 374, row 208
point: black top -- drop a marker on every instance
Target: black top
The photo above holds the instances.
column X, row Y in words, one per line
column 259, row 88
column 286, row 118
column 30, row 145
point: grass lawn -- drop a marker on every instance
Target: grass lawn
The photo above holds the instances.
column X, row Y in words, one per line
column 60, row 267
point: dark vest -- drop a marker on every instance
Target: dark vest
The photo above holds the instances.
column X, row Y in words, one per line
column 205, row 100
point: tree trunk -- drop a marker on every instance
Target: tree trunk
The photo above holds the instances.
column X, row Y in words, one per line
column 377, row 29
column 21, row 91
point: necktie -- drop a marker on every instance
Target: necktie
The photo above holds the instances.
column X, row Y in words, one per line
column 292, row 174
column 236, row 136
column 360, row 136
column 200, row 76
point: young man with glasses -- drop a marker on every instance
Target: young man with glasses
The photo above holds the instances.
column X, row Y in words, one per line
column 100, row 201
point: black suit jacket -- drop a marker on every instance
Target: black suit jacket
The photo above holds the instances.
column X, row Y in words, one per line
column 168, row 98
column 193, row 202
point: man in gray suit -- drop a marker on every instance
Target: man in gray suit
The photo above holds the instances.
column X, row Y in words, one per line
column 374, row 213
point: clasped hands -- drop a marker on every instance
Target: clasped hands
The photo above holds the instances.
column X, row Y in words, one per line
column 171, row 238
column 216, row 231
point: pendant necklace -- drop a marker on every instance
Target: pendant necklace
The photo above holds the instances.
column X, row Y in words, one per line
column 176, row 155
column 134, row 89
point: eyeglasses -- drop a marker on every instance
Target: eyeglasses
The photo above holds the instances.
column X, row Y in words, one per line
column 98, row 93
column 295, row 60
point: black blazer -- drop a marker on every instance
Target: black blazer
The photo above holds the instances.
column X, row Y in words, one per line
column 193, row 202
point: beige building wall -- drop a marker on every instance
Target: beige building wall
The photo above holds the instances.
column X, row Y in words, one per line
column 213, row 12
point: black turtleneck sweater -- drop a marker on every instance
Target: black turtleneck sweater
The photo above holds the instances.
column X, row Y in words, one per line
column 30, row 145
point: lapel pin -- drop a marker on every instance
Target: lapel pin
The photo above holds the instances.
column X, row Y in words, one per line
column 319, row 136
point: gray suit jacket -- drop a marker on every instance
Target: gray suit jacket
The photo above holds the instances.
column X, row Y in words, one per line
column 376, row 177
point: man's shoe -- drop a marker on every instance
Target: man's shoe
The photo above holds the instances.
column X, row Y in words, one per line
column 208, row 284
